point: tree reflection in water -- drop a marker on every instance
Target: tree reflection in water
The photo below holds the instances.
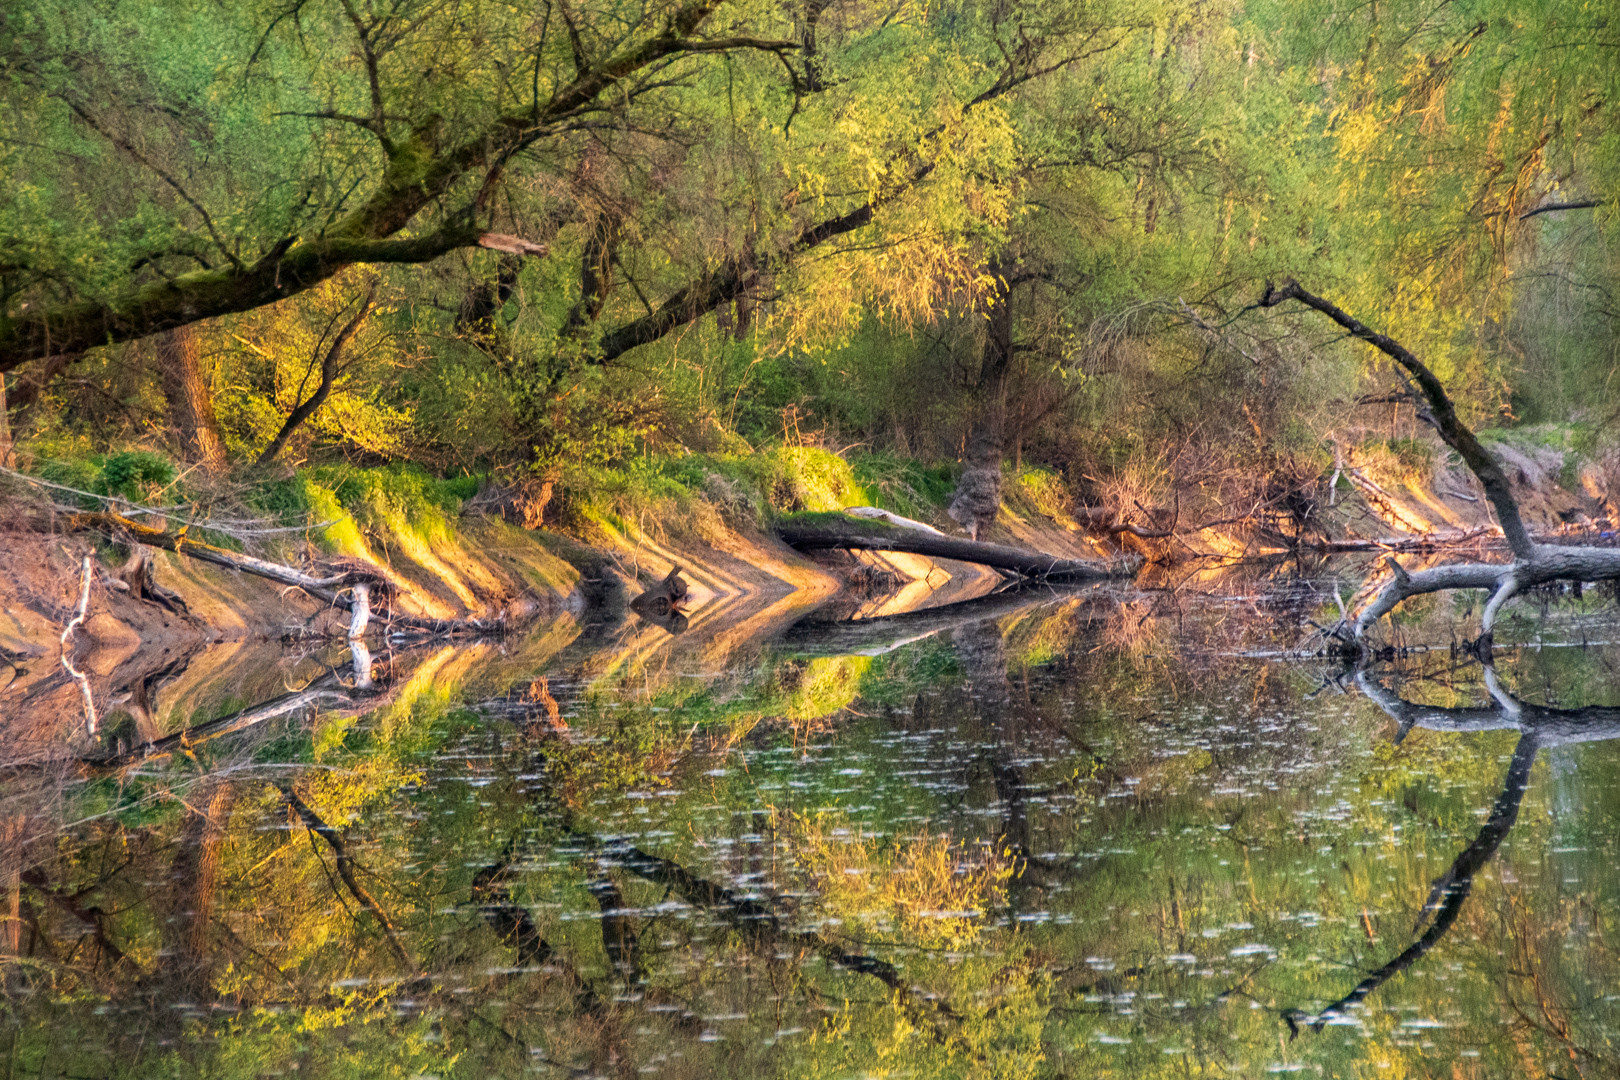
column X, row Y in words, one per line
column 1539, row 727
column 1044, row 836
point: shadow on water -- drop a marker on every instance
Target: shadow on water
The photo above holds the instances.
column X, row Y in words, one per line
column 1105, row 832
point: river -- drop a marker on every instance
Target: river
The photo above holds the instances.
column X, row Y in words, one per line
column 1106, row 833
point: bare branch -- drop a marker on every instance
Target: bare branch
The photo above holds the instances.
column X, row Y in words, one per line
column 1446, row 422
column 1585, row 204
column 168, row 178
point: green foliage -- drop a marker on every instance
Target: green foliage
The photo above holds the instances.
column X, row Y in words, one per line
column 906, row 487
column 395, row 496
column 746, row 489
column 136, row 475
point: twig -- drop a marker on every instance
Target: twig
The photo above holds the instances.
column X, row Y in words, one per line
column 1584, row 204
column 240, row 528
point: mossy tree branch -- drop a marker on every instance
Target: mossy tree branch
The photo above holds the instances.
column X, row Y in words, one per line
column 421, row 171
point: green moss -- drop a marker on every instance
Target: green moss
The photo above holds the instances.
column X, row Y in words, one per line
column 342, row 536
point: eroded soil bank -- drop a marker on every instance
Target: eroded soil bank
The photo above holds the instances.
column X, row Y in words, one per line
column 744, row 584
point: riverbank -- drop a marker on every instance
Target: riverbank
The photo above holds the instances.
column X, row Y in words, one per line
column 445, row 554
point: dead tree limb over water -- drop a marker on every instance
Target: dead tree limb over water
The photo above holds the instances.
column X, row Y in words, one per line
column 822, row 532
column 1532, row 563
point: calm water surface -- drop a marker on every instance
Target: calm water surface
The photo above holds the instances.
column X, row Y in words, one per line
column 1109, row 834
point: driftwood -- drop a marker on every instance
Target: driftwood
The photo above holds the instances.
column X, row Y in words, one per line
column 355, row 585
column 1532, row 564
column 827, row 532
column 1109, row 522
column 135, row 578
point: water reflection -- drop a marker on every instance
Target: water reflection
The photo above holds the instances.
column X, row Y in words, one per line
column 1539, row 726
column 1093, row 833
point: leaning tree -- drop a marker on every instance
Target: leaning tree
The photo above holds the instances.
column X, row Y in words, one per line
column 1531, row 564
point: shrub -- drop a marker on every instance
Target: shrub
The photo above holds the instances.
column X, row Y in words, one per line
column 135, row 475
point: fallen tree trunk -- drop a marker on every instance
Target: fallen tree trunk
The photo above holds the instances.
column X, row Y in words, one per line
column 876, row 636
column 355, row 588
column 830, row 531
column 1432, row 542
column 1506, row 712
column 1504, row 581
column 1533, row 563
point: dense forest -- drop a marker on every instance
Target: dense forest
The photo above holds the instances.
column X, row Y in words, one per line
column 254, row 251
column 1036, row 396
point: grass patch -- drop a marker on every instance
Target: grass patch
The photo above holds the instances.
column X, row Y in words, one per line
column 904, row 486
column 683, row 494
column 1045, row 491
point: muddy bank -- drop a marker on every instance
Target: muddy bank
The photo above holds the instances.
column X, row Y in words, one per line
column 154, row 665
column 224, row 637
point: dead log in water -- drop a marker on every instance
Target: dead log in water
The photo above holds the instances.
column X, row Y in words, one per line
column 1533, row 563
column 824, row 532
column 820, row 636
column 353, row 585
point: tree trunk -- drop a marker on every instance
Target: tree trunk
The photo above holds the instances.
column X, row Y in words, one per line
column 1533, row 564
column 1539, row 726
column 1452, row 889
column 978, row 491
column 8, row 457
column 329, row 373
column 332, row 589
column 193, row 880
column 484, row 301
column 11, row 864
column 191, row 407
column 595, row 275
column 1442, row 414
